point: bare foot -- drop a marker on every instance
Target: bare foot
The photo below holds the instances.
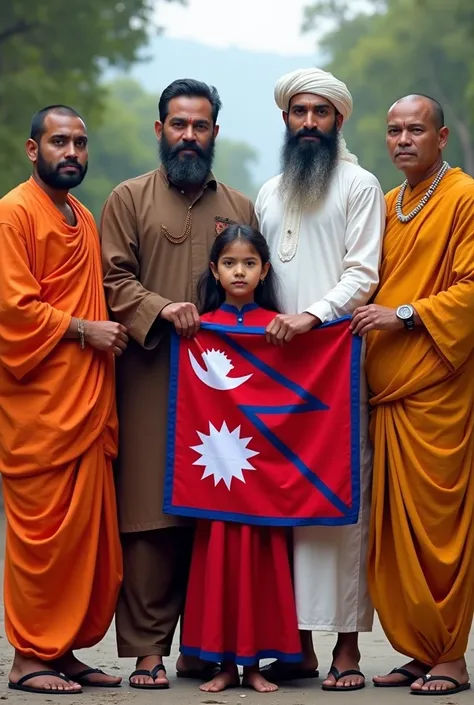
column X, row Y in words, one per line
column 227, row 678
column 72, row 667
column 23, row 666
column 147, row 663
column 254, row 679
column 416, row 668
column 453, row 669
column 346, row 656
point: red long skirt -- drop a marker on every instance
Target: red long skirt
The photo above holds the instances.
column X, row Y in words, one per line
column 240, row 604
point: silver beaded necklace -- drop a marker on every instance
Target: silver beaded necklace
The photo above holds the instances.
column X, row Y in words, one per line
column 398, row 206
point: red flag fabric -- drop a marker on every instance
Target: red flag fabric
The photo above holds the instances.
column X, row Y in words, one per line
column 262, row 434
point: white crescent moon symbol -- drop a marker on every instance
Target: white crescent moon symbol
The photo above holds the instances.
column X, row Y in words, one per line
column 212, row 378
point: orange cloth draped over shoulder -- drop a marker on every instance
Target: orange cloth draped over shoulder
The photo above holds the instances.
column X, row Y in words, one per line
column 58, row 431
column 421, row 556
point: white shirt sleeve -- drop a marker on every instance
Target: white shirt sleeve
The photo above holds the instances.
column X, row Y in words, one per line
column 364, row 235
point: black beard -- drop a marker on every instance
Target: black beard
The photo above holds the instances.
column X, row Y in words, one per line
column 50, row 174
column 308, row 166
column 186, row 169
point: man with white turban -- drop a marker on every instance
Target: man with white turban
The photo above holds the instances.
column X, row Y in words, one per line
column 324, row 218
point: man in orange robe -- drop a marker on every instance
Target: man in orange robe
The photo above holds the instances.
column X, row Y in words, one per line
column 420, row 365
column 58, row 428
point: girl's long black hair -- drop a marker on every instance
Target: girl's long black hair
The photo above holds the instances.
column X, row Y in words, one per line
column 210, row 293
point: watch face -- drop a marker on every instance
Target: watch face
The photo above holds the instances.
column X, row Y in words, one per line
column 405, row 312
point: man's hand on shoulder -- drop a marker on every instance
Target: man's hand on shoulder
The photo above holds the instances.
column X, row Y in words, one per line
column 284, row 327
column 184, row 316
column 106, row 335
column 374, row 317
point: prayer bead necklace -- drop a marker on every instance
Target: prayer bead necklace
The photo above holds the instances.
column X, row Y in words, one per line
column 398, row 206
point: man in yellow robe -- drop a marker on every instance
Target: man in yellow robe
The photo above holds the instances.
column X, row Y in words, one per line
column 58, row 425
column 420, row 366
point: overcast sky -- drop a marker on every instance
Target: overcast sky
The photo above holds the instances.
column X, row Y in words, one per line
column 258, row 25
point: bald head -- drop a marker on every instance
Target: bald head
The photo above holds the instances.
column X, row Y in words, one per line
column 416, row 136
column 423, row 101
column 37, row 128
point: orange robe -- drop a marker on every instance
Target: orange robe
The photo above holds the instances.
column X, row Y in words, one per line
column 58, row 429
column 421, row 559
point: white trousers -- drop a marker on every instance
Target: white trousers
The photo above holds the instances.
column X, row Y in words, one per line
column 330, row 562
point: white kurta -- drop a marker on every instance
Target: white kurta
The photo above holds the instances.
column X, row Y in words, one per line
column 334, row 270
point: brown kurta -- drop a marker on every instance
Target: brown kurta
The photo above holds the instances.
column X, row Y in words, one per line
column 144, row 270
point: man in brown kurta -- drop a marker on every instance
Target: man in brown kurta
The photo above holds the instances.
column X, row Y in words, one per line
column 157, row 231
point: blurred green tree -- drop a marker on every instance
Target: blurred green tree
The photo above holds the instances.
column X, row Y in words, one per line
column 396, row 47
column 52, row 51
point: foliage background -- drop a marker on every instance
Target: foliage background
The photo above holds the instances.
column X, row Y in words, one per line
column 52, row 51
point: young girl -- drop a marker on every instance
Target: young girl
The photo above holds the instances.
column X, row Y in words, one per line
column 240, row 605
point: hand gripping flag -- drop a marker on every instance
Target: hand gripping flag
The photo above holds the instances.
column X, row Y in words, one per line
column 262, row 434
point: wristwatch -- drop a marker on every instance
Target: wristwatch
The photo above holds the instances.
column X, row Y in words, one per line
column 406, row 313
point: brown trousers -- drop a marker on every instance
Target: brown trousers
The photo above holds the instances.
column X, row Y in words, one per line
column 155, row 575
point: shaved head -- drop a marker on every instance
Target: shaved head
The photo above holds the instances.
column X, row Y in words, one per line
column 435, row 107
column 37, row 128
column 416, row 136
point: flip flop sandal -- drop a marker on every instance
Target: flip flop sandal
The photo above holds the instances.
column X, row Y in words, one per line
column 151, row 674
column 409, row 679
column 276, row 673
column 20, row 685
column 458, row 688
column 83, row 680
column 337, row 675
column 210, row 671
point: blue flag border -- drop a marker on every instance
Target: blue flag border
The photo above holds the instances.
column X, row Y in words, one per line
column 351, row 514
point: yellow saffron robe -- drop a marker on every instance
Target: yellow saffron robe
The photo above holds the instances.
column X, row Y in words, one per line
column 421, row 557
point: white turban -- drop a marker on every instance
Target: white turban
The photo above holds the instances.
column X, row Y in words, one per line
column 314, row 81
column 317, row 82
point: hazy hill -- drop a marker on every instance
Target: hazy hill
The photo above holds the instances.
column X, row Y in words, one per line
column 245, row 81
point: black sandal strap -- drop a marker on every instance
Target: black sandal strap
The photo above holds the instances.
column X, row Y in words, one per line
column 156, row 669
column 37, row 674
column 152, row 673
column 404, row 672
column 427, row 679
column 87, row 672
column 333, row 671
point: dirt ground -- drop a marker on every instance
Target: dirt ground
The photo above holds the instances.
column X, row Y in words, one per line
column 377, row 657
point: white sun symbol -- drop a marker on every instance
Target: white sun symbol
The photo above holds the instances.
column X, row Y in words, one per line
column 224, row 454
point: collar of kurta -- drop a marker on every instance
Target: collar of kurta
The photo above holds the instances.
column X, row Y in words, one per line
column 229, row 308
column 210, row 181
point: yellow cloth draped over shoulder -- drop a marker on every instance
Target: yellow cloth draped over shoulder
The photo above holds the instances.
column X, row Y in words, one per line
column 58, row 431
column 421, row 560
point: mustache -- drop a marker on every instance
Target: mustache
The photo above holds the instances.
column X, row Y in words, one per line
column 187, row 146
column 311, row 132
column 69, row 162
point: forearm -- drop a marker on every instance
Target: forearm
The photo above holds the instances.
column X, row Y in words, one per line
column 137, row 309
column 343, row 299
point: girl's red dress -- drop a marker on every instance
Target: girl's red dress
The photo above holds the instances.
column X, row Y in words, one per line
column 240, row 602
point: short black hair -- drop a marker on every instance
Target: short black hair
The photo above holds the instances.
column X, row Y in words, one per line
column 193, row 89
column 438, row 112
column 37, row 121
